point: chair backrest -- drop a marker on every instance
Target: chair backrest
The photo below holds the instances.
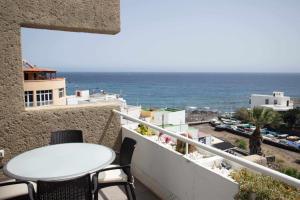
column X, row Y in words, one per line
column 126, row 151
column 66, row 136
column 75, row 189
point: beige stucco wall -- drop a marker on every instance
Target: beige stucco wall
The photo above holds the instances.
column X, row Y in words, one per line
column 22, row 130
column 51, row 84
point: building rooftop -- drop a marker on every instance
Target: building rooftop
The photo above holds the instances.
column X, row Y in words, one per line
column 223, row 145
column 28, row 67
column 37, row 69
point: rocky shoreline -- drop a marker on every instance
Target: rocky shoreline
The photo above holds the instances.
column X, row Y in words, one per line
column 200, row 115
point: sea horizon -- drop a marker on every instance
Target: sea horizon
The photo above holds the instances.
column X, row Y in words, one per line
column 156, row 72
column 219, row 91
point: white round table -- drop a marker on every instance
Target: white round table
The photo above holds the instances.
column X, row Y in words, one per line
column 59, row 162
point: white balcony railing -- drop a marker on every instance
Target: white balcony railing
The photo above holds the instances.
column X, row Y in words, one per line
column 243, row 162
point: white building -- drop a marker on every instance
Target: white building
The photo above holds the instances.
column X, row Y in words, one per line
column 168, row 117
column 277, row 101
column 84, row 97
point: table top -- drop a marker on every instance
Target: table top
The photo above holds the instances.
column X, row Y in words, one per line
column 59, row 162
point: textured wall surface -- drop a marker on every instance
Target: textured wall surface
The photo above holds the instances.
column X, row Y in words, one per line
column 22, row 130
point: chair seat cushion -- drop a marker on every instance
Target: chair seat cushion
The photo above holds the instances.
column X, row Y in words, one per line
column 116, row 175
column 13, row 191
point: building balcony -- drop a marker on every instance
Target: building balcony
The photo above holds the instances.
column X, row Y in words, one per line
column 170, row 174
column 206, row 174
column 46, row 84
column 164, row 173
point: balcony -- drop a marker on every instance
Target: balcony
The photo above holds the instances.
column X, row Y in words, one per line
column 163, row 173
column 170, row 174
column 204, row 175
column 33, row 85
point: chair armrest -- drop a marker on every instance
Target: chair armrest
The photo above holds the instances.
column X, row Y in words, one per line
column 95, row 176
column 112, row 168
column 12, row 183
column 31, row 192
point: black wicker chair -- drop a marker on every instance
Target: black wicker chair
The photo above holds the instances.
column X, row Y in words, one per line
column 15, row 190
column 75, row 189
column 117, row 174
column 66, row 136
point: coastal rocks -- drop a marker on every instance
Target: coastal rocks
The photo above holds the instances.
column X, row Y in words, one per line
column 200, row 115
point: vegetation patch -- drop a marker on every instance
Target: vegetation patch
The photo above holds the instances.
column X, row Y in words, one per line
column 291, row 172
column 261, row 187
column 144, row 130
column 242, row 144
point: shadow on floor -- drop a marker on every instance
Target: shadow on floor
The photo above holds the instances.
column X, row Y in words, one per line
column 118, row 193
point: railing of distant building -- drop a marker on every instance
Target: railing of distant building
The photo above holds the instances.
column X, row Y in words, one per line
column 245, row 163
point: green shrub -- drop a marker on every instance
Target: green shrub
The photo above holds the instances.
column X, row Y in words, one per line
column 144, row 130
column 242, row 144
column 291, row 172
column 292, row 118
column 242, row 114
column 264, row 187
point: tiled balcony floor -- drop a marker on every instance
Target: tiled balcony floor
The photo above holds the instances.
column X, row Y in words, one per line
column 118, row 193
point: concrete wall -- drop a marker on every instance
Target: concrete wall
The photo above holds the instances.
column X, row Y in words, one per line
column 172, row 176
column 22, row 130
column 174, row 118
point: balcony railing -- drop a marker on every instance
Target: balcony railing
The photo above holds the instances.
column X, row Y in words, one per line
column 243, row 162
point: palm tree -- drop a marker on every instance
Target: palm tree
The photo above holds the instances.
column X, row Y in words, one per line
column 259, row 117
column 291, row 117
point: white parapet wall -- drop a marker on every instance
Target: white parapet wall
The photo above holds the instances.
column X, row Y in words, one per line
column 172, row 176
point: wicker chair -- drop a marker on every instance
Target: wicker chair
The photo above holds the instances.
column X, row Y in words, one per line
column 15, row 190
column 66, row 136
column 75, row 189
column 117, row 174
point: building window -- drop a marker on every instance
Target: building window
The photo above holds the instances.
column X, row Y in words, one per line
column 61, row 92
column 266, row 101
column 287, row 103
column 44, row 97
column 275, row 102
column 28, row 98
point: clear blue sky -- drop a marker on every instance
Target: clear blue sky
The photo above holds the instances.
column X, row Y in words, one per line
column 180, row 36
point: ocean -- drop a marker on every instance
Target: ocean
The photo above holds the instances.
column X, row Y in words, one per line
column 218, row 91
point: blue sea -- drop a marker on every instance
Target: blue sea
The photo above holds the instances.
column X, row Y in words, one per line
column 220, row 91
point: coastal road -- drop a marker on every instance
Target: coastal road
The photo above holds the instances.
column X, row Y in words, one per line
column 284, row 157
